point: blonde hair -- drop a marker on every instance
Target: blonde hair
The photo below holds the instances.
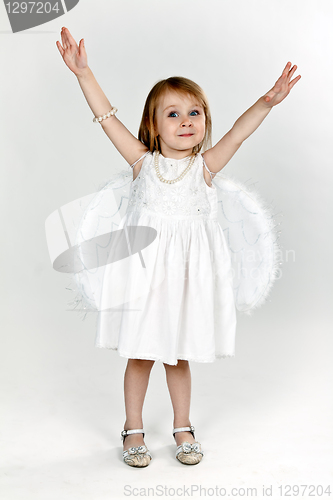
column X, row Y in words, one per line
column 147, row 133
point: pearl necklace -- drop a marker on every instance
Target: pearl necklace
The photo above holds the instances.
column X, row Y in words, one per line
column 172, row 181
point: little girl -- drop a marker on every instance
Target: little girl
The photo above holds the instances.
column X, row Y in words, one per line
column 188, row 312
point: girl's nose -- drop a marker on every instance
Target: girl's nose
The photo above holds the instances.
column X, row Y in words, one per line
column 187, row 122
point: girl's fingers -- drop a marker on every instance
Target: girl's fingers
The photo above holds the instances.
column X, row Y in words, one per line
column 70, row 39
column 285, row 77
column 286, row 68
column 82, row 47
column 70, row 48
column 61, row 50
column 292, row 71
column 282, row 86
column 295, row 80
column 64, row 40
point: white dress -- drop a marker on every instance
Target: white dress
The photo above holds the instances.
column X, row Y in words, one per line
column 185, row 308
column 164, row 266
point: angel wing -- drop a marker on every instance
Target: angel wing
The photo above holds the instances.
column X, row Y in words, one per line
column 102, row 216
column 249, row 226
column 79, row 236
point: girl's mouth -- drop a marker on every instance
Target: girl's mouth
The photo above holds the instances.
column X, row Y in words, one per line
column 186, row 135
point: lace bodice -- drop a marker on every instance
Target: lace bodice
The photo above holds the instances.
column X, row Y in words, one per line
column 189, row 197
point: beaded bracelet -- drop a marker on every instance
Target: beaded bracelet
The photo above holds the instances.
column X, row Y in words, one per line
column 110, row 113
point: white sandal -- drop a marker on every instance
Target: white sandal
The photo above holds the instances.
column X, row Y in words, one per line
column 136, row 456
column 187, row 453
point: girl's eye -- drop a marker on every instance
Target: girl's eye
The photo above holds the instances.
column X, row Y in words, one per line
column 196, row 113
column 173, row 114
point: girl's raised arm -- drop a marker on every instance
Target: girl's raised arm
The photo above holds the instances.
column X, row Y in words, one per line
column 218, row 156
column 75, row 58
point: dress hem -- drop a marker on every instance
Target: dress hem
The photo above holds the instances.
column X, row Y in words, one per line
column 152, row 357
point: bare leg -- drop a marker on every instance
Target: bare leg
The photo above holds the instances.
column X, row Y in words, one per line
column 135, row 387
column 179, row 385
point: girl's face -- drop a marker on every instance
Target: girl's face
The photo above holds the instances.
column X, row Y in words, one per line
column 180, row 124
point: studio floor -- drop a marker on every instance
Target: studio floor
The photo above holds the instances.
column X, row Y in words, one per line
column 263, row 419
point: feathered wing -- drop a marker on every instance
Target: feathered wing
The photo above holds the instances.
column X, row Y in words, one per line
column 99, row 222
column 249, row 226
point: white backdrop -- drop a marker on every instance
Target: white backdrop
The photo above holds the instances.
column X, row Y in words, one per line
column 263, row 417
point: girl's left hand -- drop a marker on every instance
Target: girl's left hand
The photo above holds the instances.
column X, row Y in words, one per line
column 282, row 86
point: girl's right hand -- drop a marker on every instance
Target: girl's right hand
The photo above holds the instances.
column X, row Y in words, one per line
column 74, row 56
